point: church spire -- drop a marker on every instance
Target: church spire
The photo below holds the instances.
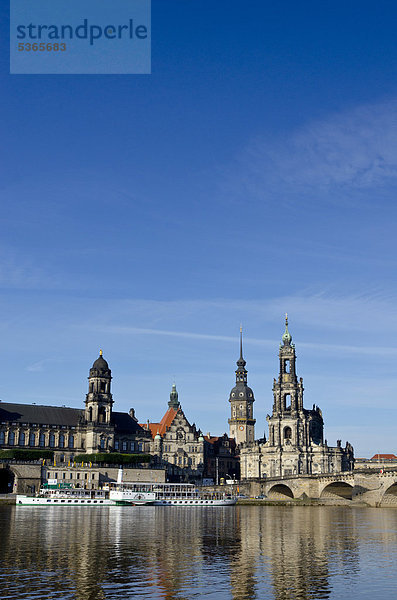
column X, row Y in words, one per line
column 287, row 337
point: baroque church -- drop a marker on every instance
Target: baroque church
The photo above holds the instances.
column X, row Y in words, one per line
column 296, row 442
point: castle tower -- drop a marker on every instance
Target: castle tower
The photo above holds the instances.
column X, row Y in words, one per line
column 242, row 422
column 99, row 401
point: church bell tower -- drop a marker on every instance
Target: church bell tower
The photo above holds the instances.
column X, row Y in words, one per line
column 242, row 422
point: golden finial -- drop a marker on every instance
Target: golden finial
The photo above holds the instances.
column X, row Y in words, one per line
column 286, row 318
column 241, row 328
column 100, row 353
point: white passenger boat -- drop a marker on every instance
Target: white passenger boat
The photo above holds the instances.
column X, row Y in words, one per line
column 166, row 494
column 66, row 496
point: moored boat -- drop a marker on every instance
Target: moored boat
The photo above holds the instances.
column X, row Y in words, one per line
column 166, row 494
column 63, row 495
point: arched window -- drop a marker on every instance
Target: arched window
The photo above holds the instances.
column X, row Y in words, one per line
column 102, row 443
column 11, row 438
column 102, row 415
column 32, row 439
column 21, row 440
column 287, row 433
column 42, row 440
column 61, row 440
column 90, row 413
column 71, row 441
column 2, row 438
column 52, row 440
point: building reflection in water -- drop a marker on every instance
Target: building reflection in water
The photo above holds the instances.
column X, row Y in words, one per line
column 239, row 553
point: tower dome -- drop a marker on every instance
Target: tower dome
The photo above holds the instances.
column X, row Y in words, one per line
column 100, row 364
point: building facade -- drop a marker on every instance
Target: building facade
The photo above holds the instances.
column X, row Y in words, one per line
column 177, row 445
column 72, row 431
column 296, row 442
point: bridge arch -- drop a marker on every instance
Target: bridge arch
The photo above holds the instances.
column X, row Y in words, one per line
column 389, row 498
column 337, row 490
column 7, row 478
column 280, row 491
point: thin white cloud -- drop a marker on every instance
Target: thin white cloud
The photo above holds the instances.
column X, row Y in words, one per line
column 347, row 153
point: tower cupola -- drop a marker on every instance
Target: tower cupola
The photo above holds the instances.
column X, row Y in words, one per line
column 173, row 401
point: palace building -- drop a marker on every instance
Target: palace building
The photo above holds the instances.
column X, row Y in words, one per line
column 177, row 445
column 296, row 442
column 71, row 431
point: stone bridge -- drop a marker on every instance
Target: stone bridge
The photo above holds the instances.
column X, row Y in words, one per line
column 19, row 477
column 369, row 487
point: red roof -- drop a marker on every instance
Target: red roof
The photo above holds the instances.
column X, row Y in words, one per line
column 384, row 457
column 212, row 439
column 164, row 424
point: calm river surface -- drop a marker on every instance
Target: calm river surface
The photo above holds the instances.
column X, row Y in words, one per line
column 225, row 553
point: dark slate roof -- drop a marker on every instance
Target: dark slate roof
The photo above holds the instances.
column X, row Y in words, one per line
column 124, row 423
column 41, row 415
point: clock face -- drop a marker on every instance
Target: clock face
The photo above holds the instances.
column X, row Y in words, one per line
column 241, row 427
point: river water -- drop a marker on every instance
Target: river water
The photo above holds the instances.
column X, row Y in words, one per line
column 243, row 552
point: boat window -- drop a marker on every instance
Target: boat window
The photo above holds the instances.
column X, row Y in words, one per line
column 49, row 500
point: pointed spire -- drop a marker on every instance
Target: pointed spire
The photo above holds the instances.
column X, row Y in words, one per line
column 287, row 337
column 241, row 342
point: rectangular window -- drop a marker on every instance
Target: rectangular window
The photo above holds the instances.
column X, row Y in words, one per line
column 116, row 444
column 78, row 475
column 93, row 476
column 140, row 447
column 124, row 446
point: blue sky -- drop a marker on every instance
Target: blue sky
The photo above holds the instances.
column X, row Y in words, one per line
column 252, row 173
